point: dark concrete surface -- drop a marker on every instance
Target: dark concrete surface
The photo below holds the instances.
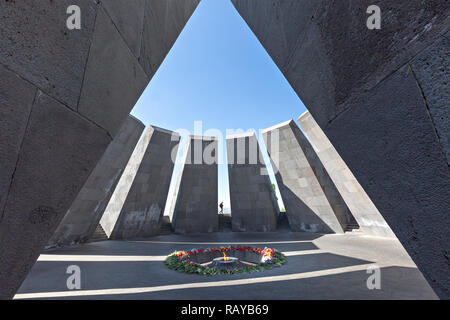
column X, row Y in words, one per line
column 84, row 83
column 196, row 193
column 83, row 216
column 379, row 97
column 318, row 267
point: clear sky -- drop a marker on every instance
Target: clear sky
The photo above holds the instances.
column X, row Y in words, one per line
column 217, row 72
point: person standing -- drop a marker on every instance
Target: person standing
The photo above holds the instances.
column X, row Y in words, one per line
column 221, row 208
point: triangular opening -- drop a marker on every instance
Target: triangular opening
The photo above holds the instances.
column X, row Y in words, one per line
column 218, row 72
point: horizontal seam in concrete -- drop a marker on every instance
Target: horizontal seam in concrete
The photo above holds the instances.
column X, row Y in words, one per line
column 407, row 63
column 80, row 115
column 59, row 101
column 56, row 99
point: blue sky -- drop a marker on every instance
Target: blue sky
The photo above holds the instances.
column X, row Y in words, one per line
column 217, row 72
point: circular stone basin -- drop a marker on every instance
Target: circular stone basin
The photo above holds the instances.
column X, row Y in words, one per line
column 212, row 261
column 230, row 263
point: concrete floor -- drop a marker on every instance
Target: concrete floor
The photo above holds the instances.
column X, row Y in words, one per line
column 319, row 267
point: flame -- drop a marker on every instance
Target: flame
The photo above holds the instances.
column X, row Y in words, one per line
column 225, row 258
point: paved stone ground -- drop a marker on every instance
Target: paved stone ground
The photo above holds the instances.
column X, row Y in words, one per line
column 319, row 267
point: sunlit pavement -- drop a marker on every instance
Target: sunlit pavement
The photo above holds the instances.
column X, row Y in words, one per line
column 319, row 267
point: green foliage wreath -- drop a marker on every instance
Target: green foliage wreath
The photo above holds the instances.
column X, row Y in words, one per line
column 179, row 260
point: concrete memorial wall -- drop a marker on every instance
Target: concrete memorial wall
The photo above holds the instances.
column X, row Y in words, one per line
column 65, row 93
column 83, row 217
column 195, row 206
column 253, row 204
column 138, row 202
column 381, row 97
column 362, row 208
column 311, row 199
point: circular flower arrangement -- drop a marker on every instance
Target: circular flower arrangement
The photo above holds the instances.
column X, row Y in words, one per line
column 191, row 261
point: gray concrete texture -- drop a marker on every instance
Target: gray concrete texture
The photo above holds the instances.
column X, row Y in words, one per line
column 362, row 208
column 195, row 202
column 253, row 204
column 64, row 96
column 380, row 97
column 328, row 54
column 328, row 266
column 431, row 68
column 81, row 220
column 138, row 202
column 311, row 199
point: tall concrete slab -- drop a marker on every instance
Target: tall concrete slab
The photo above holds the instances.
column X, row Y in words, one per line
column 364, row 211
column 378, row 95
column 311, row 199
column 196, row 193
column 56, row 155
column 83, row 217
column 73, row 89
column 138, row 202
column 253, row 204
